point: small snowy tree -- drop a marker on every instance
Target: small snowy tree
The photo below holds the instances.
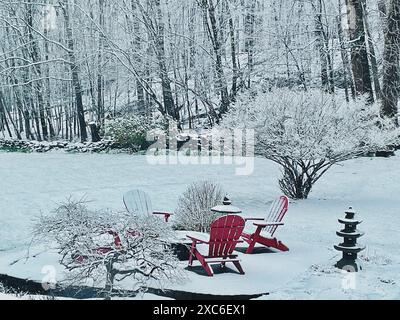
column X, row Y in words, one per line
column 130, row 133
column 105, row 248
column 306, row 133
column 194, row 206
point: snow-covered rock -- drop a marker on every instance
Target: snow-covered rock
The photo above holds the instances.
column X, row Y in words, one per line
column 43, row 147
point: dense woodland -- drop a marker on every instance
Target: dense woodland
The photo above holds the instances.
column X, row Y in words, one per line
column 67, row 66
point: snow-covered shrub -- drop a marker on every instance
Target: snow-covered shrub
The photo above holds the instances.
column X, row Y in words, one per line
column 2, row 288
column 129, row 133
column 11, row 294
column 308, row 132
column 103, row 247
column 194, row 206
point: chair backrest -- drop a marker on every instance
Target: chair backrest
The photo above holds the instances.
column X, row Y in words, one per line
column 224, row 235
column 138, row 202
column 277, row 212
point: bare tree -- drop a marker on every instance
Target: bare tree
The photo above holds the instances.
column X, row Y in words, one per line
column 109, row 248
column 66, row 63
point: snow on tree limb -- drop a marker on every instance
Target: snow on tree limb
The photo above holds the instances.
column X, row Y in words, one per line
column 108, row 247
column 308, row 132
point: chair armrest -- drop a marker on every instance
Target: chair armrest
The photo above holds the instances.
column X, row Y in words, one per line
column 163, row 213
column 268, row 224
column 166, row 215
column 197, row 240
column 253, row 219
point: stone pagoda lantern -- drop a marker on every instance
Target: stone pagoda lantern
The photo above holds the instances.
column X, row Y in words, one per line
column 227, row 208
column 349, row 246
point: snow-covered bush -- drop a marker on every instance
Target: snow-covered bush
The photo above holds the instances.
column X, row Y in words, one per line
column 308, row 132
column 2, row 288
column 194, row 206
column 12, row 294
column 129, row 133
column 104, row 248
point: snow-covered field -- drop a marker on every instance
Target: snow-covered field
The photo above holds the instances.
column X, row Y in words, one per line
column 11, row 297
column 32, row 184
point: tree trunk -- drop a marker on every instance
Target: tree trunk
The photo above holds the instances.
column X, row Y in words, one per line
column 75, row 70
column 300, row 176
column 372, row 55
column 250, row 37
column 217, row 47
column 100, row 77
column 136, row 41
column 235, row 67
column 391, row 75
column 35, row 54
column 345, row 58
column 48, row 90
column 110, row 277
column 359, row 54
column 168, row 99
column 294, row 183
column 327, row 84
column 3, row 113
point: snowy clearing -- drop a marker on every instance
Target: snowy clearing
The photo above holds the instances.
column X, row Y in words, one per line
column 34, row 183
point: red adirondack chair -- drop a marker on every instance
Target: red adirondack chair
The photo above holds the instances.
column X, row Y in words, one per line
column 138, row 202
column 224, row 236
column 115, row 244
column 266, row 228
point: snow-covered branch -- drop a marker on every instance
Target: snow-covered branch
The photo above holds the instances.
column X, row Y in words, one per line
column 308, row 132
column 109, row 247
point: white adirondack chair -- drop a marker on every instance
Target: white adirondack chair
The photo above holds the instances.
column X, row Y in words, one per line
column 138, row 202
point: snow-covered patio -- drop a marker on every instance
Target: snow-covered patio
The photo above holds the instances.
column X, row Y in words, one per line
column 265, row 271
column 32, row 184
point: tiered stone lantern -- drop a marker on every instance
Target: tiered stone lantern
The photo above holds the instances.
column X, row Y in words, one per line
column 349, row 247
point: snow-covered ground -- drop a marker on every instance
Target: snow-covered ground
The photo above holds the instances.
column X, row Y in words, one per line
column 8, row 297
column 11, row 297
column 32, row 184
